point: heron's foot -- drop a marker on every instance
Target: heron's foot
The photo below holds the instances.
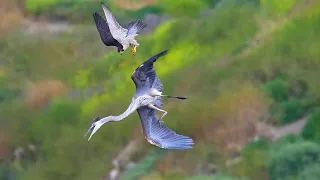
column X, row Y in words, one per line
column 134, row 50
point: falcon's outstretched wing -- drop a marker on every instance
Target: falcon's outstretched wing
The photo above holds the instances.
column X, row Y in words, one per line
column 116, row 30
column 158, row 134
column 104, row 31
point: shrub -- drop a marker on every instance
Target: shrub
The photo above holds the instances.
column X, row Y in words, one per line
column 145, row 166
column 254, row 163
column 292, row 159
column 61, row 112
column 311, row 172
column 277, row 89
column 216, row 177
column 8, row 94
column 311, row 130
column 291, row 111
column 286, row 140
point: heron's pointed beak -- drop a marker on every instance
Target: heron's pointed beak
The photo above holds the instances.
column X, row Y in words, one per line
column 134, row 50
column 95, row 129
column 90, row 129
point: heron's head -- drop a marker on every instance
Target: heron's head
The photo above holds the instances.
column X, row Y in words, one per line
column 94, row 127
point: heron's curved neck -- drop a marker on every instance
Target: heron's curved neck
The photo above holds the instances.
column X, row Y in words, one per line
column 132, row 107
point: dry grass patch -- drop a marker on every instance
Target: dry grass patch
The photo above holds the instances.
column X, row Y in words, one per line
column 234, row 119
column 41, row 93
column 11, row 16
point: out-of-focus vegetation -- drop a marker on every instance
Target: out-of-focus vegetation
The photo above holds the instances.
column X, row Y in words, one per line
column 240, row 63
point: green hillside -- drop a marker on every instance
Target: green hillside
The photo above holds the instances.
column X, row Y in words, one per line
column 242, row 63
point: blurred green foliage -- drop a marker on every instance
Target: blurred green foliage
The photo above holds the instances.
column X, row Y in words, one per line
column 278, row 89
column 311, row 130
column 179, row 8
column 36, row 6
column 279, row 8
column 291, row 159
column 312, row 172
column 145, row 166
column 254, row 163
column 216, row 177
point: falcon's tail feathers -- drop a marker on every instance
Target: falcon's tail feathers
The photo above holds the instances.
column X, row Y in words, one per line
column 135, row 27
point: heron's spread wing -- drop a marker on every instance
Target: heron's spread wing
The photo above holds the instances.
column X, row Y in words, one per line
column 145, row 75
column 104, row 31
column 116, row 30
column 158, row 134
column 135, row 27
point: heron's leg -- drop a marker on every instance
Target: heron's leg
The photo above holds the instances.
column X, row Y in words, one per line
column 158, row 109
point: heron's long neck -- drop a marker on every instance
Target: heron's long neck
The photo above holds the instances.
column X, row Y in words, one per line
column 132, row 107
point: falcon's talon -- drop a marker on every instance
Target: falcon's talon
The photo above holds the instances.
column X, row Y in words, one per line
column 134, row 50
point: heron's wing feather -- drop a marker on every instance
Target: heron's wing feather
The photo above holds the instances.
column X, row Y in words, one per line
column 145, row 75
column 104, row 31
column 116, row 30
column 158, row 86
column 163, row 137
column 135, row 27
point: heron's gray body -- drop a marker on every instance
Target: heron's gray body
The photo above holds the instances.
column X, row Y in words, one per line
column 148, row 99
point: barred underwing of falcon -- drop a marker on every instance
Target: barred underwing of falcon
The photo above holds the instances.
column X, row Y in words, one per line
column 112, row 34
column 147, row 101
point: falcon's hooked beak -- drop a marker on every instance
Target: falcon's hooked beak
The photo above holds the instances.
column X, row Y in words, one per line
column 121, row 52
column 94, row 127
column 134, row 50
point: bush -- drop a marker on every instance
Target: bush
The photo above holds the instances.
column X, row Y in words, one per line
column 292, row 159
column 311, row 130
column 286, row 140
column 216, row 177
column 60, row 113
column 145, row 166
column 277, row 89
column 254, row 163
column 292, row 110
column 8, row 94
column 311, row 172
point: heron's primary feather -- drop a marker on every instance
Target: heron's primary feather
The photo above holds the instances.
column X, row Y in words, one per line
column 159, row 134
column 145, row 75
column 116, row 30
column 104, row 32
column 135, row 27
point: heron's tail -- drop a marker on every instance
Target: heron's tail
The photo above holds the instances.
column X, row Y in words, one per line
column 177, row 97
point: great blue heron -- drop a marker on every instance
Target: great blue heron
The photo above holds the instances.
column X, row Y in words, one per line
column 148, row 99
column 112, row 34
